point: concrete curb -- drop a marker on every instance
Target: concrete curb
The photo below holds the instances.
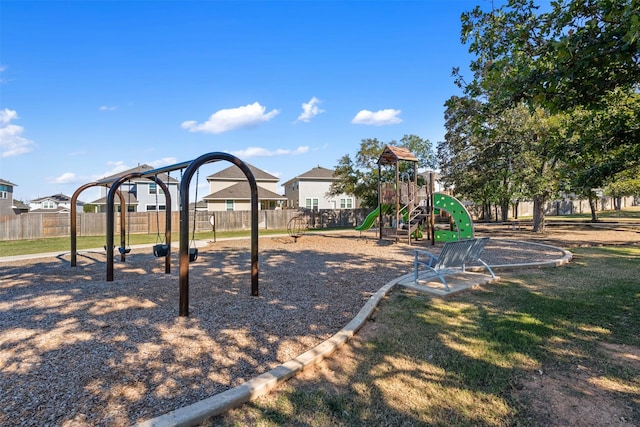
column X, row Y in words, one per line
column 566, row 258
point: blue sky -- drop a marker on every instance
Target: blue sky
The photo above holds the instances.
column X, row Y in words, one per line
column 91, row 88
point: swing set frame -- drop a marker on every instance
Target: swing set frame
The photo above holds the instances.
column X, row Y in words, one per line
column 190, row 168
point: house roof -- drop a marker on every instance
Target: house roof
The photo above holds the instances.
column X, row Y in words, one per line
column 5, row 182
column 316, row 174
column 391, row 155
column 60, row 198
column 142, row 168
column 20, row 205
column 59, row 209
column 242, row 191
column 234, row 173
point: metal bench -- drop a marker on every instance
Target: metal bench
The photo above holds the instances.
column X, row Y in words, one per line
column 453, row 258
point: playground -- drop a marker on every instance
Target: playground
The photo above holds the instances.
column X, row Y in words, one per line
column 80, row 350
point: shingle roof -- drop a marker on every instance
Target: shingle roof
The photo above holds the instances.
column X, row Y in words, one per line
column 317, row 173
column 242, row 191
column 390, row 155
column 234, row 173
column 57, row 197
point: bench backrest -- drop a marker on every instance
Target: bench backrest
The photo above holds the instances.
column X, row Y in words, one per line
column 460, row 252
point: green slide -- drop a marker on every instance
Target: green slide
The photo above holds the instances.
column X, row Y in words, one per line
column 370, row 220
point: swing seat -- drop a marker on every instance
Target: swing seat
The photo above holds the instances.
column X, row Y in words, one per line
column 105, row 247
column 161, row 249
column 123, row 250
column 193, row 254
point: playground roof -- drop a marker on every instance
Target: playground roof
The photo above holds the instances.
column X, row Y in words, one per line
column 391, row 155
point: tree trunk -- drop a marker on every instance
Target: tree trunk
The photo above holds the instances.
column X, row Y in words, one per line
column 594, row 208
column 617, row 203
column 504, row 210
column 538, row 214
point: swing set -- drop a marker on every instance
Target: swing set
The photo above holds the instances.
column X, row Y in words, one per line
column 188, row 252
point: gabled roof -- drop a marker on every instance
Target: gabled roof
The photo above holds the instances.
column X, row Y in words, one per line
column 316, row 174
column 234, row 173
column 242, row 191
column 20, row 205
column 59, row 198
column 391, row 155
column 143, row 168
column 5, row 182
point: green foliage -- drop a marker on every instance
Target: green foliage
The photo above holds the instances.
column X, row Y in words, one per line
column 576, row 66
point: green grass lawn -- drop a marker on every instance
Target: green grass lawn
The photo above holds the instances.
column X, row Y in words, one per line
column 62, row 244
column 470, row 359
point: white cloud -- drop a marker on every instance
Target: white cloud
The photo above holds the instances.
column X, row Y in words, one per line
column 310, row 110
column 11, row 141
column 65, row 178
column 263, row 152
column 378, row 118
column 165, row 161
column 7, row 115
column 108, row 108
column 232, row 118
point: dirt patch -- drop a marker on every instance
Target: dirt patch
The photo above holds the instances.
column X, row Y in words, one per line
column 575, row 398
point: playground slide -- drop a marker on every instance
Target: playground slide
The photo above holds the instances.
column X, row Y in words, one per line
column 370, row 220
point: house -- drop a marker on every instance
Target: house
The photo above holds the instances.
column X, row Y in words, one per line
column 141, row 194
column 230, row 190
column 58, row 203
column 6, row 197
column 311, row 190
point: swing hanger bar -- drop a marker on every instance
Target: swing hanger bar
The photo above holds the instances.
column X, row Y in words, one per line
column 163, row 169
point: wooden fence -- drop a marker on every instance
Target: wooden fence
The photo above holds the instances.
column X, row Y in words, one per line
column 39, row 225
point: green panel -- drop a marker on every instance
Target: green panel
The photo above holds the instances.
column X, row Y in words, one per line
column 460, row 216
column 445, row 236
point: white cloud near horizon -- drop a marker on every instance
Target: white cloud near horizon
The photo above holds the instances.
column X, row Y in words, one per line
column 309, row 110
column 12, row 143
column 377, row 118
column 65, row 178
column 263, row 152
column 232, row 118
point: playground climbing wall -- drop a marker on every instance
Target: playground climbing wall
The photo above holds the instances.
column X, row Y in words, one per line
column 460, row 215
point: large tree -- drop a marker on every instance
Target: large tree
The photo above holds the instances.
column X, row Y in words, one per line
column 580, row 59
column 360, row 177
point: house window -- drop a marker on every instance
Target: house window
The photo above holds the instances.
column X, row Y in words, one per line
column 4, row 195
column 152, row 208
column 48, row 204
column 346, row 203
column 230, row 205
column 153, row 188
column 311, row 203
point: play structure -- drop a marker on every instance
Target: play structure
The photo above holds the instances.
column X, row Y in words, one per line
column 188, row 252
column 408, row 211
